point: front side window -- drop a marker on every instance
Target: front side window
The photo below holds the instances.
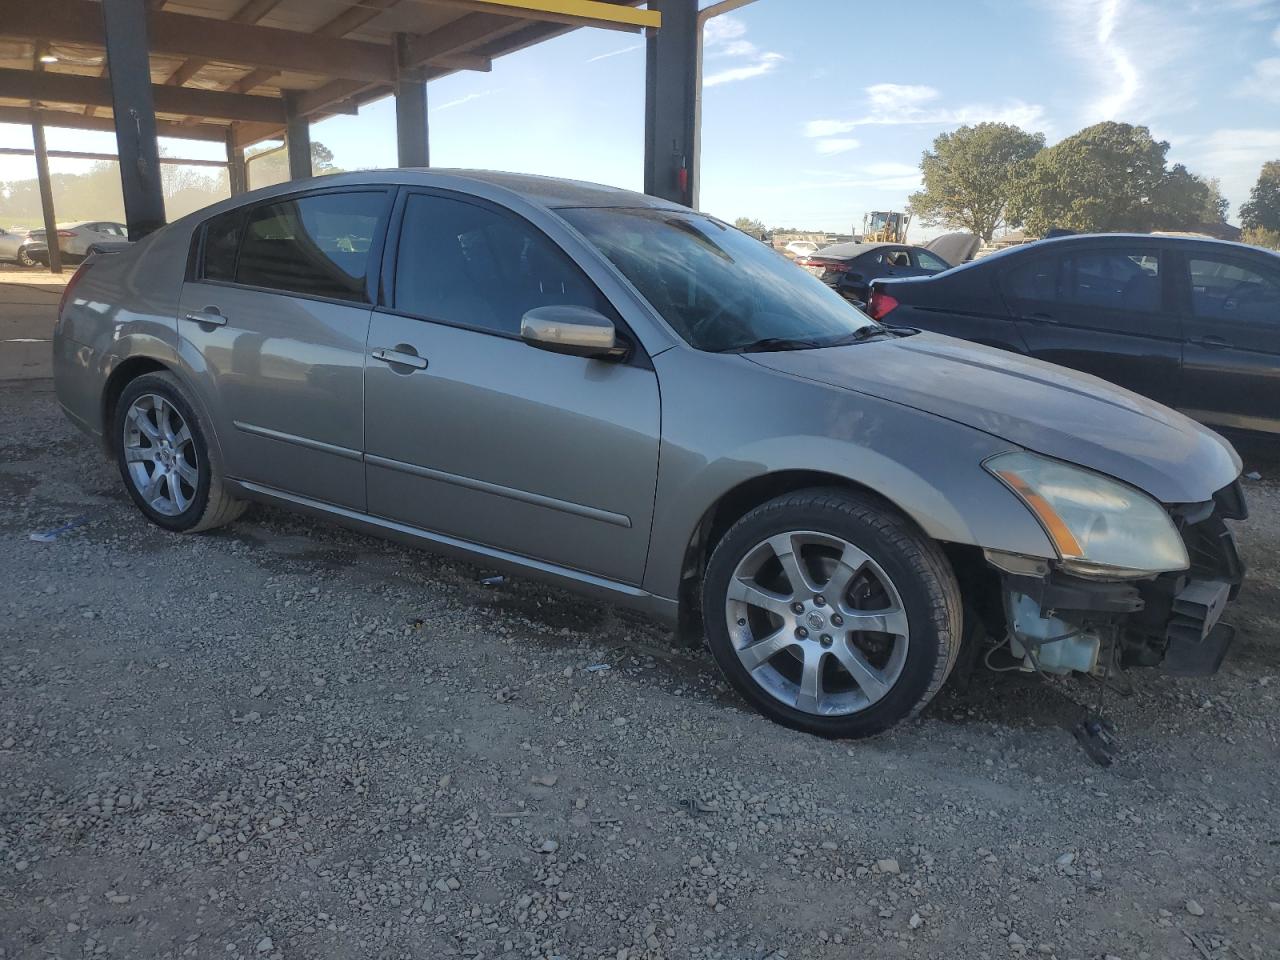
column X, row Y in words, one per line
column 1232, row 290
column 1113, row 279
column 316, row 245
column 466, row 264
column 715, row 286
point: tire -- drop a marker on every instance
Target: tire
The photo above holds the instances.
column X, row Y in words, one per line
column 25, row 258
column 157, row 430
column 881, row 571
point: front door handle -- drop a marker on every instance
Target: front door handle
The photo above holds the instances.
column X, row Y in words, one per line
column 400, row 357
column 209, row 316
column 1210, row 342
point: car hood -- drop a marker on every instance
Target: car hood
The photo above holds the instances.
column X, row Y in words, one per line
column 1038, row 406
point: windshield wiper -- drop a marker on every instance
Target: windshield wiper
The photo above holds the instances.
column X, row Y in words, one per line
column 769, row 344
column 857, row 336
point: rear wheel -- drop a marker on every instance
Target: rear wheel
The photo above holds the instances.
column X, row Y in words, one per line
column 831, row 613
column 164, row 456
column 25, row 258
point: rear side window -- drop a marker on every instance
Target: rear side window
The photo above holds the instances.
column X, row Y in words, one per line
column 221, row 243
column 1113, row 279
column 1232, row 290
column 466, row 264
column 317, row 245
column 1034, row 279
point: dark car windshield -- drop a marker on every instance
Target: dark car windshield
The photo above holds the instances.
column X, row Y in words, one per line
column 718, row 288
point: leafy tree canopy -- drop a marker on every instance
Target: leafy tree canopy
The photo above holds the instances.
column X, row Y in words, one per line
column 970, row 175
column 1262, row 210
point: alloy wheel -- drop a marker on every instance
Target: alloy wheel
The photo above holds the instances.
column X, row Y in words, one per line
column 160, row 454
column 817, row 623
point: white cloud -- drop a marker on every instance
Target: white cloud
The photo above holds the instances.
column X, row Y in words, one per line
column 894, row 104
column 615, row 53
column 836, row 145
column 765, row 64
column 898, row 96
column 1233, row 155
column 723, row 39
column 1263, row 83
column 1275, row 37
column 450, row 104
column 1142, row 57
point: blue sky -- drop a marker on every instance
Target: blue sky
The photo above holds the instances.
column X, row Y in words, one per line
column 816, row 111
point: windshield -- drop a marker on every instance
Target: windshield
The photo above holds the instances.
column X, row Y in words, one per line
column 718, row 288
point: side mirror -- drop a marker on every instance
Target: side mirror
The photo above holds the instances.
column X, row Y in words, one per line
column 577, row 331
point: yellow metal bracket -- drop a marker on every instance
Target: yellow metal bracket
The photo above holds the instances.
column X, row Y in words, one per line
column 586, row 13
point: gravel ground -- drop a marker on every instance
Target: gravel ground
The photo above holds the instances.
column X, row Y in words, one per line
column 288, row 740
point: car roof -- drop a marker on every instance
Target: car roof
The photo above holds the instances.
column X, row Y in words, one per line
column 551, row 192
column 856, row 249
column 1075, row 238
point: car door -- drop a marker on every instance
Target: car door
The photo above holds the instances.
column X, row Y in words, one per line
column 475, row 434
column 1104, row 309
column 273, row 322
column 1231, row 358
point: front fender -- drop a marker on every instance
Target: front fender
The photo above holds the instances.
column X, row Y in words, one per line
column 727, row 421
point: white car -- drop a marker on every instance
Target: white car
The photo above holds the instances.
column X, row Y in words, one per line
column 75, row 239
column 18, row 246
column 801, row 248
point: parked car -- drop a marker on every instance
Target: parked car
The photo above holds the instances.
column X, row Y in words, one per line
column 849, row 268
column 1194, row 324
column 76, row 239
column 17, row 246
column 626, row 397
column 800, row 248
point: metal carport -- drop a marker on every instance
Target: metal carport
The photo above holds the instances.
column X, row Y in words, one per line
column 243, row 71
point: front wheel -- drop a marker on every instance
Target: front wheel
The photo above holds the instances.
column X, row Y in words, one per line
column 168, row 465
column 831, row 613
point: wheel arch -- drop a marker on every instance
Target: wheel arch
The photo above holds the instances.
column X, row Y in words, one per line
column 737, row 502
column 129, row 369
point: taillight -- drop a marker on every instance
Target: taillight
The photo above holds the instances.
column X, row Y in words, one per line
column 829, row 266
column 71, row 285
column 881, row 305
column 66, row 233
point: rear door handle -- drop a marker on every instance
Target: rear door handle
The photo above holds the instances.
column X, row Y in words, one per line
column 1210, row 342
column 209, row 316
column 400, row 357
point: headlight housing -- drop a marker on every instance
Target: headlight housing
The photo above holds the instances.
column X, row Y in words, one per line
column 1101, row 528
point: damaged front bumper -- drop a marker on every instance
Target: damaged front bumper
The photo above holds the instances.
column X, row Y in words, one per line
column 1058, row 623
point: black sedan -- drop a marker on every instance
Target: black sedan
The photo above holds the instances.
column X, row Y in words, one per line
column 849, row 268
column 1194, row 324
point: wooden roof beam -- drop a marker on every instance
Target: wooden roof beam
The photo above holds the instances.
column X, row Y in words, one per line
column 75, row 121
column 80, row 21
column 576, row 13
column 69, row 88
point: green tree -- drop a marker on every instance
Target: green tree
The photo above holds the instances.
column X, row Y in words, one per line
column 755, row 228
column 1113, row 177
column 274, row 168
column 1262, row 210
column 970, row 175
column 1185, row 201
column 1261, row 237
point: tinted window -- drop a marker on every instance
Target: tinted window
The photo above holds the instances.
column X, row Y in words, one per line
column 1113, row 279
column 1034, row 279
column 317, row 245
column 1232, row 290
column 895, row 258
column 929, row 262
column 717, row 288
column 462, row 263
column 221, row 242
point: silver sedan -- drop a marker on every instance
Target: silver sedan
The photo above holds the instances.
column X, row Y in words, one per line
column 631, row 399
